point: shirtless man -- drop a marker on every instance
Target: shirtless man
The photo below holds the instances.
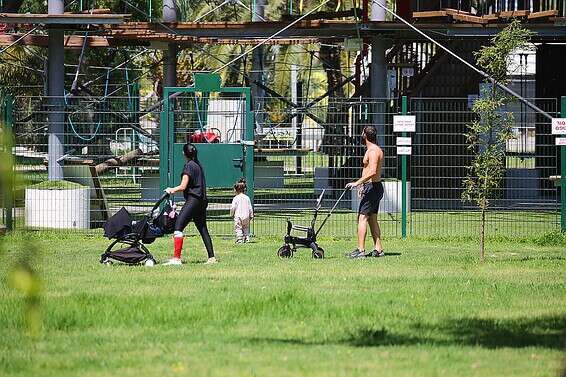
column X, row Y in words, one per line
column 370, row 191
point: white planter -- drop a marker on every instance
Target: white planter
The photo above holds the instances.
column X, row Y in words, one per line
column 392, row 196
column 68, row 209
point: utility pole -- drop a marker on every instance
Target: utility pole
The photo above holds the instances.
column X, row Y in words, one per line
column 170, row 60
column 258, row 94
column 56, row 91
column 378, row 71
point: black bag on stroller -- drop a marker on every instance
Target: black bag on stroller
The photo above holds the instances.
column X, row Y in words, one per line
column 130, row 236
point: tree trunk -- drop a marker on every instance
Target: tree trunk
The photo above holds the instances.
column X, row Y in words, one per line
column 482, row 235
column 119, row 161
column 336, row 121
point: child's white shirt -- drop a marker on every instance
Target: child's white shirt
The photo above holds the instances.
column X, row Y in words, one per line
column 242, row 207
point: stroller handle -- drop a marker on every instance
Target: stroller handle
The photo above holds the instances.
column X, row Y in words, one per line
column 161, row 200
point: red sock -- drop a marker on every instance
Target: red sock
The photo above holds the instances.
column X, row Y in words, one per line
column 178, row 243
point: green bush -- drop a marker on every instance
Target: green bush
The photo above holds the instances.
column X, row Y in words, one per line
column 56, row 185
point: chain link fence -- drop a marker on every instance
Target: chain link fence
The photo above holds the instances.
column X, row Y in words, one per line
column 111, row 153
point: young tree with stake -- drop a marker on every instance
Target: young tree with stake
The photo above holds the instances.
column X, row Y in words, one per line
column 488, row 134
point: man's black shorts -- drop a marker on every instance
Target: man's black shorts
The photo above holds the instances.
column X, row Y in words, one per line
column 372, row 193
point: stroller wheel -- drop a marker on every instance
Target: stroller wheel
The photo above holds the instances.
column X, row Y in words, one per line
column 107, row 262
column 318, row 253
column 284, row 251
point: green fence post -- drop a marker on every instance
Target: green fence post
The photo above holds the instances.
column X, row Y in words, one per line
column 165, row 130
column 249, row 144
column 9, row 195
column 404, row 178
column 563, row 173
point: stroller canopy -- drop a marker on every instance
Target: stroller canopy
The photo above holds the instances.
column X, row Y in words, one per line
column 118, row 225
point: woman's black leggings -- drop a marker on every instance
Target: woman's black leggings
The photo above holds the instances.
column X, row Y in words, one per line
column 195, row 210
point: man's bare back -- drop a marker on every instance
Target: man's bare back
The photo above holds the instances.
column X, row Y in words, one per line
column 373, row 160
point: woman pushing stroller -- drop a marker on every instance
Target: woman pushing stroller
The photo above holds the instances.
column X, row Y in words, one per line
column 193, row 186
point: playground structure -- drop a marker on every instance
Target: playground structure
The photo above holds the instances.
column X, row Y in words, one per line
column 294, row 144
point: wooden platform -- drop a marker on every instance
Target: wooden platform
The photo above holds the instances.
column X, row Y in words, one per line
column 543, row 15
column 449, row 23
column 515, row 13
column 63, row 19
column 466, row 17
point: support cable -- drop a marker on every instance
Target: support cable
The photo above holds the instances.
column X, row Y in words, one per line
column 272, row 36
column 212, row 10
column 19, row 39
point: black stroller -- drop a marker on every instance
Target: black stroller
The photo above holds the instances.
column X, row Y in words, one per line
column 130, row 236
column 290, row 246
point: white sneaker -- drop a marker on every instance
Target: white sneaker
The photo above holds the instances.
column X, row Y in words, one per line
column 173, row 262
column 211, row 261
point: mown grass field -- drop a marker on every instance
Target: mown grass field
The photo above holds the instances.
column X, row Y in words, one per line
column 428, row 308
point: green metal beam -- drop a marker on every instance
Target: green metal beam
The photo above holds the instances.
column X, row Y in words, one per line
column 404, row 179
column 563, row 173
column 9, row 193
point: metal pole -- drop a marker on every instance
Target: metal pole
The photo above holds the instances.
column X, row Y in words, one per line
column 404, row 178
column 257, row 73
column 299, row 134
column 170, row 61
column 378, row 72
column 294, row 110
column 378, row 85
column 563, row 173
column 56, row 88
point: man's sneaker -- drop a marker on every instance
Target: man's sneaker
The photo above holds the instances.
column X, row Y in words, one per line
column 173, row 262
column 211, row 261
column 356, row 254
column 375, row 254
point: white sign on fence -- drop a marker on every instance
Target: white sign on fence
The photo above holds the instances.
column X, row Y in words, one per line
column 403, row 140
column 559, row 126
column 404, row 123
column 404, row 150
column 561, row 141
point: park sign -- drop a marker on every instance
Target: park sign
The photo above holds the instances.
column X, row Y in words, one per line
column 559, row 126
column 404, row 123
column 404, row 150
column 561, row 141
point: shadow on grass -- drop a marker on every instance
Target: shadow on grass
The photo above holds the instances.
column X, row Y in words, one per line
column 545, row 332
column 392, row 254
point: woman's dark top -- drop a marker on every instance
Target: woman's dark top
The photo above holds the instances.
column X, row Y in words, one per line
column 197, row 185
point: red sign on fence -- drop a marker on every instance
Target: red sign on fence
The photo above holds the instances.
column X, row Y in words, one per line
column 559, row 126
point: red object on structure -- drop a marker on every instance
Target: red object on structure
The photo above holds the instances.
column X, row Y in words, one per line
column 206, row 136
column 404, row 9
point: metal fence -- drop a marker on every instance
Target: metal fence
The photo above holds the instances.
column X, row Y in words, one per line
column 112, row 151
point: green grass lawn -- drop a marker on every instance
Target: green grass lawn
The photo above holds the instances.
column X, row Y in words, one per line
column 426, row 309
